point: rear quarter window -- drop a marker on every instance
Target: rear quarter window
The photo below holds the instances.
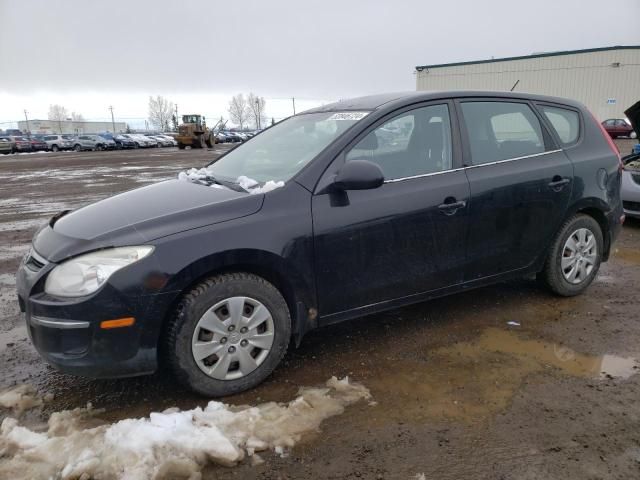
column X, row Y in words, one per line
column 565, row 122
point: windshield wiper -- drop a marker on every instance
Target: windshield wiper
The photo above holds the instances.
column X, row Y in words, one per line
column 225, row 183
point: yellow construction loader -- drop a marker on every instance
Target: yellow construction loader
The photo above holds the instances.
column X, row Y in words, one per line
column 193, row 132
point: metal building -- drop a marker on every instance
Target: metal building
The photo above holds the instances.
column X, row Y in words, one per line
column 606, row 80
column 70, row 126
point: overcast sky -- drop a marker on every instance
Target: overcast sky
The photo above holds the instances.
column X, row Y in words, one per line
column 88, row 55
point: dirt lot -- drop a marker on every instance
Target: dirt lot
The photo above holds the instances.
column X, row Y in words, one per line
column 504, row 382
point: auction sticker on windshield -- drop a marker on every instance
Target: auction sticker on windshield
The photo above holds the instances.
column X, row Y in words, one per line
column 348, row 116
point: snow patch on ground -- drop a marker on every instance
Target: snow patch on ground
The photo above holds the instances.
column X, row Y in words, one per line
column 171, row 444
column 21, row 398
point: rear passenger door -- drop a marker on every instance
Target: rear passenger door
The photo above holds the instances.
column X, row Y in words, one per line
column 520, row 184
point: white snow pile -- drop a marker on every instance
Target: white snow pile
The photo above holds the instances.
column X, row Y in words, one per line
column 199, row 175
column 167, row 445
column 20, row 398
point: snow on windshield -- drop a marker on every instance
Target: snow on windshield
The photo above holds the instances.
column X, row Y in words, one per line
column 169, row 444
column 204, row 177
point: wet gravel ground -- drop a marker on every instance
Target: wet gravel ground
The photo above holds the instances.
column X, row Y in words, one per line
column 503, row 382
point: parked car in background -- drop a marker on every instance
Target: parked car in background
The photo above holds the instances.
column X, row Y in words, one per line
column 124, row 142
column 619, row 127
column 20, row 144
column 109, row 143
column 56, row 143
column 478, row 188
column 37, row 144
column 88, row 142
column 5, row 145
column 221, row 138
column 631, row 172
column 232, row 137
column 119, row 141
column 142, row 141
column 162, row 141
column 169, row 138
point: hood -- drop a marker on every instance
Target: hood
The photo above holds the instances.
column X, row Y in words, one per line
column 633, row 114
column 142, row 215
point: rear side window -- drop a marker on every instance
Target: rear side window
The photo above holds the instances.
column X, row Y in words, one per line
column 501, row 130
column 565, row 122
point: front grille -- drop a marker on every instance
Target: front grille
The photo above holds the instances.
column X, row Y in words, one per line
column 632, row 206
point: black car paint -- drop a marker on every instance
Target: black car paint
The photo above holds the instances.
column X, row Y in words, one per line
column 333, row 255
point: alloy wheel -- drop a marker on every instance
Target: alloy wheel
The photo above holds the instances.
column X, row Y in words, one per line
column 579, row 256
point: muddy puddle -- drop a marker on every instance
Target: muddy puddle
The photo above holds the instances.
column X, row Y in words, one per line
column 471, row 380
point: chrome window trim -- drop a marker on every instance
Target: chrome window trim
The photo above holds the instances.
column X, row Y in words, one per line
column 393, row 180
column 515, row 158
column 473, row 166
column 58, row 323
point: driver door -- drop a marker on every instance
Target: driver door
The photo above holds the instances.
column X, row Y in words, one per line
column 406, row 237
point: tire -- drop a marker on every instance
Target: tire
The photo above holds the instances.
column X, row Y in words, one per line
column 181, row 146
column 633, row 135
column 558, row 279
column 250, row 294
column 78, row 148
column 54, row 148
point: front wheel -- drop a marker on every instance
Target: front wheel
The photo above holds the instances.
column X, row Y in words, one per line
column 575, row 256
column 78, row 148
column 228, row 334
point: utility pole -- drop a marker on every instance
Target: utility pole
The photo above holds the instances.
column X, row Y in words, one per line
column 113, row 123
column 293, row 99
column 176, row 114
column 258, row 113
column 27, row 119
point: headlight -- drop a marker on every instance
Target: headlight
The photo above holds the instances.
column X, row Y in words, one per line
column 84, row 274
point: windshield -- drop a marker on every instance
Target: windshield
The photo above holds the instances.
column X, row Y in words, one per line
column 281, row 151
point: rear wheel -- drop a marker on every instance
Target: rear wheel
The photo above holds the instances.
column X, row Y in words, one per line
column 228, row 334
column 181, row 146
column 78, row 148
column 55, row 148
column 575, row 256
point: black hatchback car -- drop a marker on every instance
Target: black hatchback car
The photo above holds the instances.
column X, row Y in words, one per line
column 341, row 211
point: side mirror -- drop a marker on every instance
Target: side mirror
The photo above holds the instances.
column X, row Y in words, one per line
column 358, row 175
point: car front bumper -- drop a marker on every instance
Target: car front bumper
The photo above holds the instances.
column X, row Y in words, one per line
column 67, row 333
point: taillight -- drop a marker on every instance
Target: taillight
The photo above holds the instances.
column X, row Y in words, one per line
column 612, row 145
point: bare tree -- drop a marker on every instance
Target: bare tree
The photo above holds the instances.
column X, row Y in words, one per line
column 160, row 112
column 238, row 110
column 256, row 106
column 77, row 117
column 57, row 113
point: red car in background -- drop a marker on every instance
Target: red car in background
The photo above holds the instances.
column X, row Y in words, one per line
column 37, row 144
column 618, row 127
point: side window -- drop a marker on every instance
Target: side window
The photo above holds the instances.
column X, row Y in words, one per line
column 501, row 130
column 416, row 142
column 565, row 122
column 609, row 123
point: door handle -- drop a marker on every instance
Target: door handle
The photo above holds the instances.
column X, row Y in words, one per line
column 558, row 182
column 450, row 206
